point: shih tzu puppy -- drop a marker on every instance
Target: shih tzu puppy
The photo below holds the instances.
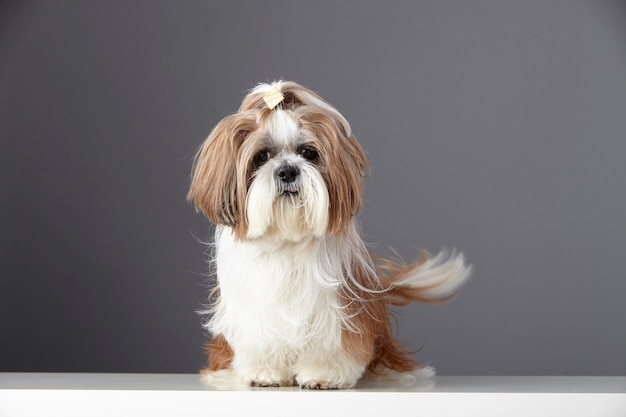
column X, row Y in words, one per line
column 299, row 299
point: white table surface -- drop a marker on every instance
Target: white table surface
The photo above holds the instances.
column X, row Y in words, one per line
column 43, row 394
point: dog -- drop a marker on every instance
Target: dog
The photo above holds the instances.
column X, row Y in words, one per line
column 299, row 298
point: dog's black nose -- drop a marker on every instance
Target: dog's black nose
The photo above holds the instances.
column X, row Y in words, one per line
column 288, row 173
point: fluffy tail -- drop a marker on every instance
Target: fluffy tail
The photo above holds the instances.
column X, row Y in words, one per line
column 429, row 279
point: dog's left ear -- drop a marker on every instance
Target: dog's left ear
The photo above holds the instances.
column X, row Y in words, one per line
column 344, row 168
column 218, row 188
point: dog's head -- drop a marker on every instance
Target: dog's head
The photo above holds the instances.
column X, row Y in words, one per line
column 289, row 171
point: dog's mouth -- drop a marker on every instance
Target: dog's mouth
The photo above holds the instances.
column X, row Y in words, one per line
column 288, row 189
column 290, row 192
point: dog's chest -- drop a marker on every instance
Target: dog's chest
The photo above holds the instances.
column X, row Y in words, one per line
column 287, row 294
column 276, row 281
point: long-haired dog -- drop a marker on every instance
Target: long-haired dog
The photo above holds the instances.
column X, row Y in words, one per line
column 299, row 299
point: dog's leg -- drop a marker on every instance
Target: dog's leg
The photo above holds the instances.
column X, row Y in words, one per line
column 263, row 369
column 322, row 368
column 219, row 352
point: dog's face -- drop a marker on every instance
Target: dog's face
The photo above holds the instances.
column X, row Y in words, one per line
column 286, row 173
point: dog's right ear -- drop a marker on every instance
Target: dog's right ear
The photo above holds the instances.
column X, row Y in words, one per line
column 217, row 188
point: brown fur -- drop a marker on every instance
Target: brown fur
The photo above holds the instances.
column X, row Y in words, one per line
column 347, row 169
column 394, row 271
column 372, row 340
column 219, row 190
column 219, row 353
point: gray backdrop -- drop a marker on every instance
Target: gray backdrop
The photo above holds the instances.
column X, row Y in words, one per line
column 497, row 127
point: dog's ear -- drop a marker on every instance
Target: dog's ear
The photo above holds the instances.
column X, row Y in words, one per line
column 217, row 188
column 345, row 180
column 343, row 164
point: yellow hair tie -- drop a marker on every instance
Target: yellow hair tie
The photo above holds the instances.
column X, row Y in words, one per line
column 273, row 98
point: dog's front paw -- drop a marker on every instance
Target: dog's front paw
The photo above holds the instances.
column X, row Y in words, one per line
column 266, row 376
column 323, row 385
column 271, row 383
column 329, row 370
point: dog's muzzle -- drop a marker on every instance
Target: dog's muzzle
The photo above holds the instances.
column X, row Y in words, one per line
column 287, row 176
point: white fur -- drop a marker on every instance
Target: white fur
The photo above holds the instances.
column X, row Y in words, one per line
column 264, row 88
column 279, row 310
column 282, row 128
column 289, row 217
column 419, row 379
column 278, row 303
column 439, row 276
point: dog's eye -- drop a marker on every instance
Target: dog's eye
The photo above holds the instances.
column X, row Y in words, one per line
column 262, row 157
column 308, row 153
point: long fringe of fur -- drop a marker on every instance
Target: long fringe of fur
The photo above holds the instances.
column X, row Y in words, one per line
column 428, row 279
column 368, row 330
